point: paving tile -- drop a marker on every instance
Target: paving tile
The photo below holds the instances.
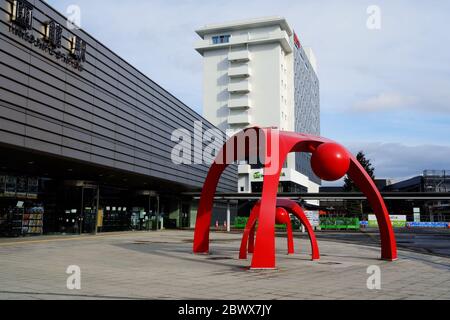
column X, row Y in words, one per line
column 163, row 267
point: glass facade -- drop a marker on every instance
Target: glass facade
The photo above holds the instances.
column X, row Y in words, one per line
column 307, row 107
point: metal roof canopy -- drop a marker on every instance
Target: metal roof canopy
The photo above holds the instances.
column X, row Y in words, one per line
column 330, row 196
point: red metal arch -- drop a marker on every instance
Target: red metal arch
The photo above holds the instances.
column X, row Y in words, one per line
column 291, row 207
column 264, row 255
column 249, row 231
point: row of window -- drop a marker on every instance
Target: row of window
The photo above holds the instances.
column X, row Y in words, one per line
column 221, row 39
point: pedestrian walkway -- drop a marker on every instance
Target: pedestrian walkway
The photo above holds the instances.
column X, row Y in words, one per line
column 160, row 265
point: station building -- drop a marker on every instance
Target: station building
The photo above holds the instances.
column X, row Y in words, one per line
column 85, row 138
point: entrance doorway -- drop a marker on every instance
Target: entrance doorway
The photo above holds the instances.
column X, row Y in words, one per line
column 185, row 215
column 80, row 202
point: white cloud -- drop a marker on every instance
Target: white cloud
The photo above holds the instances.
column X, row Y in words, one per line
column 403, row 65
column 386, row 101
column 398, row 161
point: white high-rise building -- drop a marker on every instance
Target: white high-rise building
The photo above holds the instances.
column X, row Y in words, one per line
column 256, row 73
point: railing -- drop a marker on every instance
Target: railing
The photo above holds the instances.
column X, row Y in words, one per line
column 437, row 173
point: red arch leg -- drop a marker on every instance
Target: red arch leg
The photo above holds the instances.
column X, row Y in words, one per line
column 251, row 240
column 290, row 238
column 295, row 209
column 282, row 217
column 249, row 231
column 298, row 211
column 204, row 213
column 224, row 158
column 264, row 255
column 388, row 244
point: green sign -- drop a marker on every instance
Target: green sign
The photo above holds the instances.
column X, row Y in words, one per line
column 259, row 175
column 397, row 221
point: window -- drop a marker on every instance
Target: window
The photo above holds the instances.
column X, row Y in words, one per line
column 221, row 39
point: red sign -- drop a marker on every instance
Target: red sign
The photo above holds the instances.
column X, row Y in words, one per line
column 297, row 41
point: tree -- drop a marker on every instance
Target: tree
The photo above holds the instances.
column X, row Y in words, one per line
column 356, row 207
column 349, row 185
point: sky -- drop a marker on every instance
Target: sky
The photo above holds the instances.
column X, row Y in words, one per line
column 384, row 91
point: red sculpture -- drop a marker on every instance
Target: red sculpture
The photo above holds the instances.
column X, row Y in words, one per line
column 284, row 207
column 329, row 161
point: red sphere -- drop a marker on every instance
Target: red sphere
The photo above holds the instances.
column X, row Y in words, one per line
column 330, row 161
column 282, row 216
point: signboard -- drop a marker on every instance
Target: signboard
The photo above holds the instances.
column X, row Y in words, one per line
column 313, row 217
column 10, row 187
column 398, row 221
column 33, row 188
column 297, row 41
column 51, row 43
column 22, row 187
column 428, row 225
column 100, row 218
column 416, row 214
column 259, row 175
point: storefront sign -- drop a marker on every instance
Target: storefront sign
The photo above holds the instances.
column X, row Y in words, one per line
column 21, row 26
column 297, row 41
column 259, row 175
column 10, row 186
column 19, row 187
column 33, row 188
column 428, row 225
column 416, row 214
column 398, row 221
column 313, row 217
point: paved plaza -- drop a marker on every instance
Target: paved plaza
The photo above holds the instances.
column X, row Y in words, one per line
column 160, row 265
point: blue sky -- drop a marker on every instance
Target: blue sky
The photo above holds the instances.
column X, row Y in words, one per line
column 385, row 91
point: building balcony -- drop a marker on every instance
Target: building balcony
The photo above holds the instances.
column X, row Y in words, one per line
column 244, row 169
column 239, row 87
column 240, row 56
column 243, row 119
column 239, row 103
column 281, row 37
column 239, row 71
